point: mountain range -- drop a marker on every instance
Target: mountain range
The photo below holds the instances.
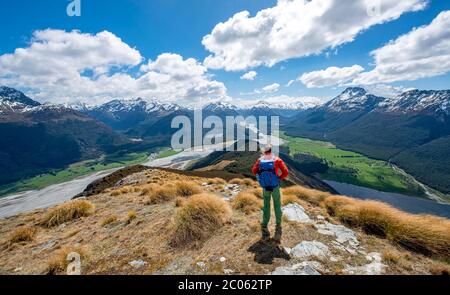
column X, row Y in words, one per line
column 411, row 130
column 36, row 138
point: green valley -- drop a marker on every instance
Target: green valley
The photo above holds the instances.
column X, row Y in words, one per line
column 75, row 170
column 353, row 168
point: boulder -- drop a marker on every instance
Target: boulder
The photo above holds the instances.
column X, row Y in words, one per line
column 310, row 249
column 343, row 234
column 295, row 212
column 307, row 268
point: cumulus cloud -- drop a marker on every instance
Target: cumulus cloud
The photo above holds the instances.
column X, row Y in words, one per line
column 423, row 52
column 249, row 76
column 295, row 28
column 269, row 88
column 60, row 66
column 331, row 76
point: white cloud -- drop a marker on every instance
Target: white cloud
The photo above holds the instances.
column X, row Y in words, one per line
column 249, row 76
column 295, row 28
column 171, row 77
column 61, row 66
column 269, row 88
column 332, row 76
column 290, row 83
column 423, row 52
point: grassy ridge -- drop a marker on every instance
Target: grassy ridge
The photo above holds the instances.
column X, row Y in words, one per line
column 353, row 168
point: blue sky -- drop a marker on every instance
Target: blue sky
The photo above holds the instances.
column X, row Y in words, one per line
column 173, row 26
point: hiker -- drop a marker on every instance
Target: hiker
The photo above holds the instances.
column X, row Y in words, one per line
column 270, row 170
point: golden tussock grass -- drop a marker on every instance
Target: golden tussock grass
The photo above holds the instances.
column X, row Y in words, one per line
column 289, row 199
column 391, row 256
column 314, row 197
column 115, row 193
column 186, row 188
column 237, row 181
column 216, row 180
column 439, row 269
column 429, row 235
column 248, row 182
column 22, row 234
column 109, row 219
column 179, row 202
column 67, row 212
column 199, row 218
column 59, row 262
column 159, row 194
column 131, row 215
column 247, row 203
column 257, row 192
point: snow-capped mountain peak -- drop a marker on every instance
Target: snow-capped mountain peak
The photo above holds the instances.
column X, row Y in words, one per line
column 12, row 99
column 353, row 99
column 137, row 104
column 220, row 106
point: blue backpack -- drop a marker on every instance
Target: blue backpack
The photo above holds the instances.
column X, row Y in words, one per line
column 267, row 176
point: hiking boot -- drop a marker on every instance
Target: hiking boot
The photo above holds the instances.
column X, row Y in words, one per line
column 278, row 234
column 265, row 232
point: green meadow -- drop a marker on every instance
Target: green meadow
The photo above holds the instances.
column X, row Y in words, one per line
column 168, row 153
column 353, row 168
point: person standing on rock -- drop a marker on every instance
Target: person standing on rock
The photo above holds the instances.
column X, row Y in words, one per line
column 270, row 170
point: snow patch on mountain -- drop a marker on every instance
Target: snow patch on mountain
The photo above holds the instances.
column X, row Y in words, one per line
column 353, row 99
column 414, row 101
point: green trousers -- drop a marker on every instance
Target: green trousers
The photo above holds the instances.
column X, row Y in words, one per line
column 276, row 195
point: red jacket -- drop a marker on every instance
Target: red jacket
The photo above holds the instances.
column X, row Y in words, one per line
column 280, row 168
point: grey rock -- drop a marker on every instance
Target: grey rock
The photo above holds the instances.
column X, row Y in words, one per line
column 137, row 263
column 307, row 268
column 343, row 234
column 295, row 212
column 310, row 249
column 376, row 267
column 201, row 265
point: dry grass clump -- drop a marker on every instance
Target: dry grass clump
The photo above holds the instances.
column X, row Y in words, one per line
column 200, row 216
column 429, row 235
column 22, row 234
column 289, row 199
column 109, row 219
column 314, row 197
column 179, row 202
column 248, row 182
column 247, row 203
column 115, row 193
column 131, row 215
column 237, row 181
column 187, row 188
column 122, row 191
column 254, row 191
column 216, row 180
column 67, row 212
column 391, row 256
column 159, row 194
column 59, row 262
column 439, row 269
